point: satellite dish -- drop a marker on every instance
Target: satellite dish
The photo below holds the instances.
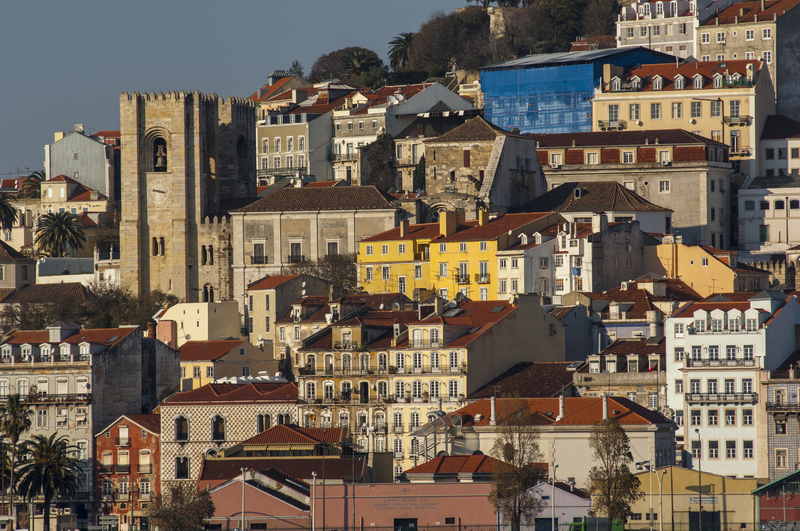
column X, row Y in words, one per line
column 303, row 293
column 668, row 412
column 399, row 97
column 260, row 337
column 476, row 82
column 188, row 337
column 452, row 304
column 381, row 307
column 510, row 232
column 391, row 99
column 303, row 284
column 511, row 299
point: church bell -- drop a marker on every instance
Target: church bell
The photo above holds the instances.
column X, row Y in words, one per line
column 160, row 158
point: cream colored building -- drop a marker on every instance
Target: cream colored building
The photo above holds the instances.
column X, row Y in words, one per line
column 203, row 321
column 203, row 362
column 727, row 102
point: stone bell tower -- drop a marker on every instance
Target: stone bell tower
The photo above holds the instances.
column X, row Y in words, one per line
column 183, row 155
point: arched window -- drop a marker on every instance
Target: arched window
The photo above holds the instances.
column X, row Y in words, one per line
column 382, row 361
column 159, row 155
column 346, row 391
column 698, row 82
column 434, row 336
column 415, row 444
column 616, row 84
column 401, row 361
column 434, row 389
column 417, row 337
column 287, row 419
column 416, row 390
column 679, row 83
column 365, row 362
column 718, row 82
column 398, row 421
column 383, row 389
column 161, row 246
column 311, row 390
column 434, row 362
column 211, row 294
column 454, row 362
column 155, row 247
column 657, row 83
column 414, row 420
column 210, row 255
column 400, row 389
column 328, row 363
column 398, row 449
column 181, row 429
column 311, row 362
column 181, row 468
column 205, row 293
column 346, row 362
column 242, row 168
column 203, row 255
column 418, row 362
column 217, row 428
column 344, row 420
column 328, row 391
column 452, row 388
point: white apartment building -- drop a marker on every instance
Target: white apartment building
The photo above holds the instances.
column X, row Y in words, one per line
column 668, row 26
column 715, row 352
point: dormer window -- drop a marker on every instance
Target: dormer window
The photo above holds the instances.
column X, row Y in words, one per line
column 84, row 354
column 636, row 83
column 616, row 84
column 658, row 83
column 660, row 9
column 718, row 81
column 26, row 353
column 303, row 118
column 679, row 83
column 65, row 353
column 5, row 354
column 44, row 353
column 698, row 82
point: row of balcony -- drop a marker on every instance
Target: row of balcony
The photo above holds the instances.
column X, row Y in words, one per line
column 354, row 399
column 125, row 496
column 721, row 398
column 738, row 362
column 422, row 369
column 343, row 157
column 786, row 407
column 693, row 331
column 288, row 170
column 125, row 469
column 612, row 125
column 44, row 398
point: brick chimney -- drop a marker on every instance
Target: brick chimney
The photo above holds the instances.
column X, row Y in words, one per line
column 404, row 227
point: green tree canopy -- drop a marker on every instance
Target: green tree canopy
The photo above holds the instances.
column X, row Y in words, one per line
column 296, row 69
column 8, row 212
column 339, row 269
column 57, row 231
column 32, row 186
column 48, row 469
column 398, row 49
column 15, row 420
column 612, row 485
column 332, row 65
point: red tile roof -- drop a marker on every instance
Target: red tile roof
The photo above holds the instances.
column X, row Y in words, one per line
column 415, row 232
column 151, row 423
column 493, row 229
column 688, row 309
column 234, row 393
column 600, row 42
column 644, row 347
column 474, row 129
column 269, row 90
column 98, row 336
column 778, row 127
column 597, row 196
column 731, row 297
column 321, row 184
column 107, row 134
column 747, row 11
column 578, row 411
column 9, row 254
column 668, row 71
column 207, row 350
column 270, row 282
column 380, row 318
column 456, row 464
column 289, row 434
column 313, row 199
column 541, row 379
column 621, row 138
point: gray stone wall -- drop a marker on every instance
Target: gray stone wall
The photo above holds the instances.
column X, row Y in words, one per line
column 93, row 164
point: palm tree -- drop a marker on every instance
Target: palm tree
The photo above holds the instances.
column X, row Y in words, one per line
column 398, row 49
column 56, row 231
column 15, row 419
column 358, row 63
column 8, row 212
column 32, row 186
column 48, row 470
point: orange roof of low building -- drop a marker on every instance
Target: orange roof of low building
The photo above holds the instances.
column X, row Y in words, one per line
column 578, row 411
column 743, row 12
column 456, row 464
column 669, row 71
column 98, row 336
column 270, row 282
column 491, row 230
column 253, row 392
column 207, row 350
column 291, row 434
column 415, row 232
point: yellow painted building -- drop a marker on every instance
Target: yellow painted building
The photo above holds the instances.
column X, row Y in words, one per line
column 396, row 261
column 448, row 257
column 203, row 362
column 726, row 101
column 705, row 269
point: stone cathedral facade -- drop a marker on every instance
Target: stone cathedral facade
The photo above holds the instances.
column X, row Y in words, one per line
column 185, row 156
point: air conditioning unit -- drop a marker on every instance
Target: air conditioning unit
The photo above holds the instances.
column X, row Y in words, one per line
column 555, row 166
column 665, row 163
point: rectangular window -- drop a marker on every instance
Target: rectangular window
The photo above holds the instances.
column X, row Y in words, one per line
column 368, row 273
column 634, row 111
column 716, row 109
column 747, row 417
column 748, row 449
column 720, row 37
column 696, row 417
column 730, row 449
column 385, row 248
column 766, row 33
column 713, row 417
column 749, row 35
column 591, row 158
column 679, row 386
column 466, row 158
column 663, row 186
column 369, row 250
column 767, row 55
column 613, row 113
column 627, row 157
column 677, row 110
column 655, row 111
column 697, row 107
column 705, row 38
column 401, row 248
column 417, row 271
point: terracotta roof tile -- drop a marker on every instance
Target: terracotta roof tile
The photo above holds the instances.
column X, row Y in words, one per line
column 311, row 199
column 597, row 196
column 270, row 282
column 207, row 350
column 415, row 232
column 688, row 309
column 541, row 379
column 668, row 71
column 644, row 346
column 98, row 336
column 578, row 411
column 232, row 393
column 456, row 464
column 621, row 138
column 288, row 434
column 472, row 231
column 45, row 293
column 149, row 422
column 9, row 254
column 751, row 9
column 269, row 90
column 108, row 134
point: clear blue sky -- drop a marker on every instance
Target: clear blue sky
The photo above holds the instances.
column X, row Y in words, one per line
column 63, row 63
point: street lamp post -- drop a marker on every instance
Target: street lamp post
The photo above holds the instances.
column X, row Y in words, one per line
column 313, row 501
column 244, row 471
column 699, row 481
column 661, row 501
column 324, row 433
